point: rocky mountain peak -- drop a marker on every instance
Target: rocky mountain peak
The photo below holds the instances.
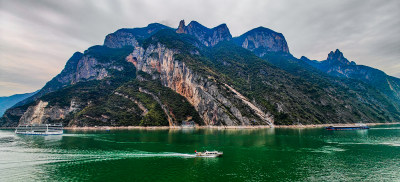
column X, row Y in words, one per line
column 262, row 40
column 337, row 57
column 131, row 36
column 181, row 27
column 304, row 58
column 209, row 37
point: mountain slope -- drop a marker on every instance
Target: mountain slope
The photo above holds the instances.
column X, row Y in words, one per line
column 7, row 102
column 337, row 65
column 158, row 76
column 228, row 63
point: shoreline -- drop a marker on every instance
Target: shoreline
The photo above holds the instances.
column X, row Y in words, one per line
column 218, row 127
column 211, row 127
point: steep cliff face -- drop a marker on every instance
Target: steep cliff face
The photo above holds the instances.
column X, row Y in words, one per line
column 209, row 37
column 80, row 67
column 262, row 40
column 61, row 80
column 40, row 113
column 205, row 95
column 89, row 68
column 131, row 37
column 338, row 58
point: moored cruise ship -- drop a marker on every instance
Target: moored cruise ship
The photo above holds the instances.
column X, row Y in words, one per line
column 39, row 129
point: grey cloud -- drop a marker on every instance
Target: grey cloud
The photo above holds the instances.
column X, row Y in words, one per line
column 43, row 34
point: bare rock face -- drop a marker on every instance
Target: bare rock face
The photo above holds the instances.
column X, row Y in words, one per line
column 78, row 68
column 338, row 58
column 120, row 39
column 262, row 40
column 86, row 68
column 181, row 27
column 214, row 107
column 89, row 68
column 131, row 36
column 40, row 113
column 209, row 37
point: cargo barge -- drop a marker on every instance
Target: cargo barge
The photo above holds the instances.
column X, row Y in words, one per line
column 360, row 127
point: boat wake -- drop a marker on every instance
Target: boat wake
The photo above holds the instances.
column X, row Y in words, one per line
column 33, row 157
column 396, row 128
column 166, row 154
column 118, row 155
column 365, row 143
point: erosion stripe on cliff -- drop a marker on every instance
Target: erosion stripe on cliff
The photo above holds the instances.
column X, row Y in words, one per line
column 170, row 119
column 257, row 110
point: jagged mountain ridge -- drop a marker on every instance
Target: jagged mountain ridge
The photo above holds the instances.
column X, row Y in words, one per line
column 132, row 36
column 224, row 87
column 209, row 37
column 337, row 65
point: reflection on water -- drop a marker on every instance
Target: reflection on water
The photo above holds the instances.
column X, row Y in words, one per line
column 362, row 133
column 249, row 155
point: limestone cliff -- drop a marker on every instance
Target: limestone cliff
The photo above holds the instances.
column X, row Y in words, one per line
column 204, row 94
column 80, row 67
column 40, row 113
column 131, row 36
column 262, row 40
column 209, row 37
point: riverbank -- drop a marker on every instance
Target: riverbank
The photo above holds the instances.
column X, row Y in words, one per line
column 217, row 127
column 208, row 127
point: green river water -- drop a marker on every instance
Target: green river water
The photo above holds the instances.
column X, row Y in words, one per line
column 167, row 155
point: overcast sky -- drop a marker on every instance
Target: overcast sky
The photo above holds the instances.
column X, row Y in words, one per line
column 37, row 37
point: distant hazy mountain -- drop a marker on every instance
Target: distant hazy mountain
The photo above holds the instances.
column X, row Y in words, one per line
column 337, row 65
column 160, row 76
column 7, row 102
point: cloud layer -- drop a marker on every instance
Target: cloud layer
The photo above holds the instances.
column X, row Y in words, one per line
column 38, row 37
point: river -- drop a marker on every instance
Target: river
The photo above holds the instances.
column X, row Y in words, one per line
column 280, row 154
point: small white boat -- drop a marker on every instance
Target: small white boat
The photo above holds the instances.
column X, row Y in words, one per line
column 39, row 129
column 209, row 154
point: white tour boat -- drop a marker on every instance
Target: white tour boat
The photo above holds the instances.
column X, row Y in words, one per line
column 39, row 129
column 209, row 154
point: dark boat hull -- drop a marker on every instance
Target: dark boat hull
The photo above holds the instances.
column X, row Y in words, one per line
column 347, row 128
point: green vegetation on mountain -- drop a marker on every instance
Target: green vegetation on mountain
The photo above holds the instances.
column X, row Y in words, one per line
column 224, row 78
column 307, row 95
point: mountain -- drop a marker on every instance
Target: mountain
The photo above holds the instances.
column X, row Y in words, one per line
column 7, row 102
column 160, row 76
column 337, row 65
column 262, row 40
column 131, row 36
column 208, row 37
